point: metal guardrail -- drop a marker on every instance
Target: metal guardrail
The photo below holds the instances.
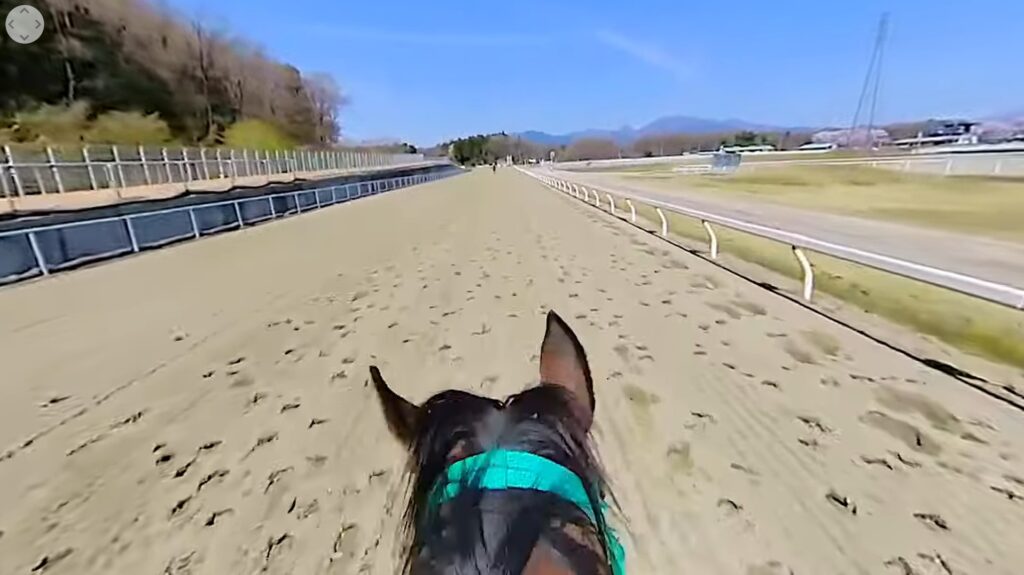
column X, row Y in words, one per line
column 994, row 292
column 43, row 250
column 26, row 172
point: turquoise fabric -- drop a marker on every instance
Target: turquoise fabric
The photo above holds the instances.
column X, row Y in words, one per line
column 501, row 469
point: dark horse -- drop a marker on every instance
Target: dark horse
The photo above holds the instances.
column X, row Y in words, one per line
column 507, row 486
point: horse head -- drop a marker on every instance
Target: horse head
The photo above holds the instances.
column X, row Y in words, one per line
column 507, row 485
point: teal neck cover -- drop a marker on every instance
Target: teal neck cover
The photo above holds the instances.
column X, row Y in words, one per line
column 501, row 469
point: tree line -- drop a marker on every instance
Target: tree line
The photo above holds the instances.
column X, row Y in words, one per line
column 677, row 144
column 166, row 76
column 682, row 143
column 488, row 148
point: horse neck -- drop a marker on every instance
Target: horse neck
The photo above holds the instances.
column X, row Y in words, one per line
column 509, row 532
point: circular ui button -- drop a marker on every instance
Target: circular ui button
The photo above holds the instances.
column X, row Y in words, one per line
column 24, row 24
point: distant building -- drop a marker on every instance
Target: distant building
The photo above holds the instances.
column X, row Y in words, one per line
column 748, row 149
column 818, row 147
column 953, row 128
column 938, row 133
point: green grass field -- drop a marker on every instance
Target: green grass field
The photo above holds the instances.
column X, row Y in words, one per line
column 979, row 205
column 970, row 324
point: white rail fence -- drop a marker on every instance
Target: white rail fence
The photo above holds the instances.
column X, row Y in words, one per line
column 54, row 170
column 800, row 244
column 1006, row 164
column 693, row 169
column 46, row 249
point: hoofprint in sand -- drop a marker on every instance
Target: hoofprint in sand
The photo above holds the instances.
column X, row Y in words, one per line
column 204, row 409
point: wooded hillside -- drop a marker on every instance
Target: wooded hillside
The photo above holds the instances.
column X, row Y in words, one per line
column 98, row 56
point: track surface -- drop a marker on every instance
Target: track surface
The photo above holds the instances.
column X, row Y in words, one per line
column 984, row 258
column 203, row 409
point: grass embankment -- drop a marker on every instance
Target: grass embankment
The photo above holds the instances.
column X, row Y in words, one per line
column 75, row 125
column 970, row 324
column 980, row 205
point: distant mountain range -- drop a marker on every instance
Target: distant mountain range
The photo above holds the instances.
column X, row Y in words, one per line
column 663, row 125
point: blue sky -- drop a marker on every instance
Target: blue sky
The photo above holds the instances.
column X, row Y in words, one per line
column 429, row 71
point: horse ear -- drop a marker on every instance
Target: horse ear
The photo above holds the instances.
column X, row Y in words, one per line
column 563, row 362
column 401, row 414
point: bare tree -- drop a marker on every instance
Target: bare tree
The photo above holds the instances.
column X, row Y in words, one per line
column 675, row 144
column 204, row 50
column 142, row 55
column 592, row 149
column 245, row 70
column 326, row 99
column 69, row 47
column 498, row 146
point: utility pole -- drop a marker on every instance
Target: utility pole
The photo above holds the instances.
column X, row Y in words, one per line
column 871, row 86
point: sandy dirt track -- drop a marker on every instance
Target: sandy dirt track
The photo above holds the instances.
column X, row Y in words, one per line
column 203, row 409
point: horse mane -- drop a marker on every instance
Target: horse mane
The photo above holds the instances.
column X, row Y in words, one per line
column 465, row 535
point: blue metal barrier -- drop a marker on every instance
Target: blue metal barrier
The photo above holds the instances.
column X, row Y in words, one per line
column 42, row 250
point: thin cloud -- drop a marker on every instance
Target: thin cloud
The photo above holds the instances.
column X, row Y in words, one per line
column 647, row 53
column 427, row 39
